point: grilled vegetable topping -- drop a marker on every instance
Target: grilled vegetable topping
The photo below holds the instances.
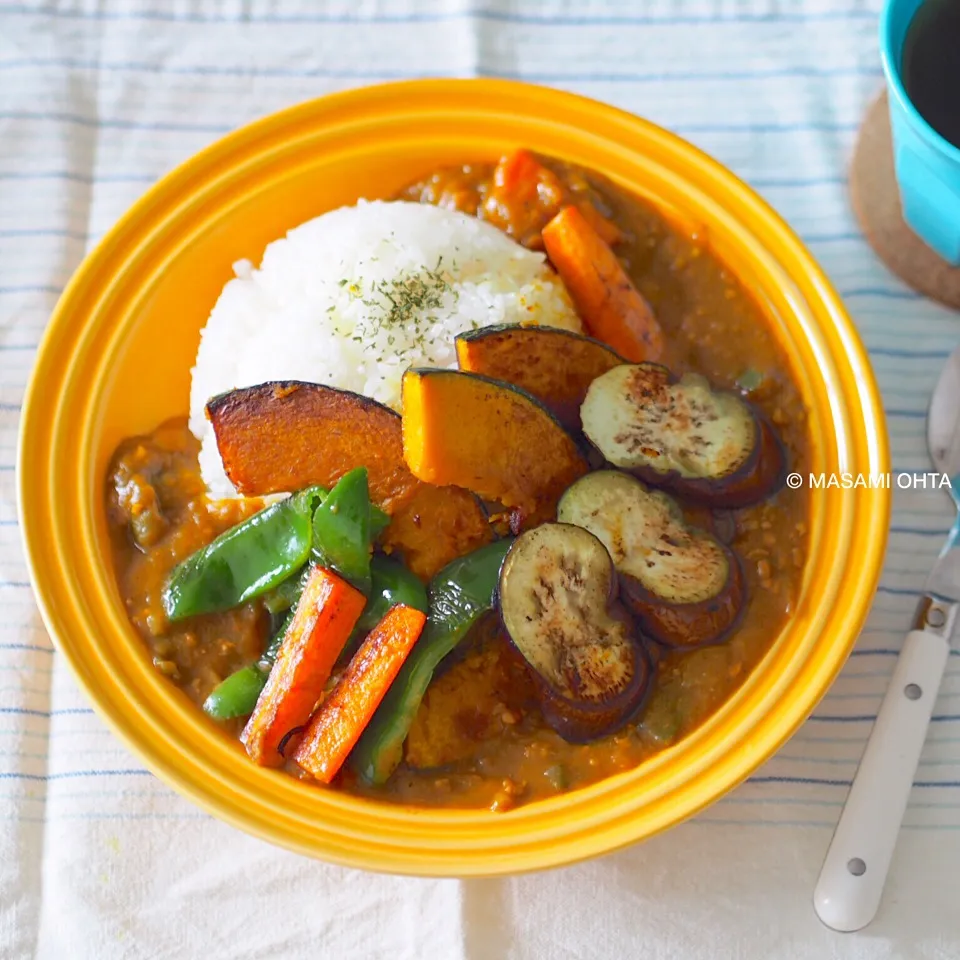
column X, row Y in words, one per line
column 707, row 445
column 341, row 529
column 558, row 602
column 487, row 436
column 272, row 436
column 325, row 616
column 611, row 307
column 684, row 586
column 556, row 366
column 337, row 725
column 285, row 435
column 246, row 561
column 437, row 525
column 459, row 595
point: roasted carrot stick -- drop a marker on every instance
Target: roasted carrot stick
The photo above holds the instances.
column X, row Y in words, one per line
column 341, row 718
column 323, row 621
column 608, row 303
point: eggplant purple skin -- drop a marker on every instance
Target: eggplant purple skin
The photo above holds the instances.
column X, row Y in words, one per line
column 761, row 476
column 689, row 626
column 583, row 722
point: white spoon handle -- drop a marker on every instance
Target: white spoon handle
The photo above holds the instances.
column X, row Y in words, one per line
column 851, row 882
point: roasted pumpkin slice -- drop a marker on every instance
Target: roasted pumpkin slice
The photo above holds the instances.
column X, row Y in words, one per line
column 283, row 436
column 437, row 525
column 683, row 585
column 278, row 437
column 556, row 366
column 488, row 437
column 709, row 446
column 557, row 597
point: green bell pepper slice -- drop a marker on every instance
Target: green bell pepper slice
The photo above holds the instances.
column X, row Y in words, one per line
column 459, row 595
column 245, row 561
column 391, row 583
column 341, row 529
column 285, row 595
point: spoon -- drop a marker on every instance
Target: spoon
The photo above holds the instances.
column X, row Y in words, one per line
column 851, row 882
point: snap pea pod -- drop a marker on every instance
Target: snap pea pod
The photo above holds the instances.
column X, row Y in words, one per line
column 236, row 696
column 341, row 529
column 245, row 561
column 459, row 594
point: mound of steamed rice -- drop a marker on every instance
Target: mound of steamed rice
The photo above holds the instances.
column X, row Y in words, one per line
column 354, row 297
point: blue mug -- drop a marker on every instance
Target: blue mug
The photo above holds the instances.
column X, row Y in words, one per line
column 927, row 165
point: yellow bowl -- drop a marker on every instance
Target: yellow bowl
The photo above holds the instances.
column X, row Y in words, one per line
column 116, row 360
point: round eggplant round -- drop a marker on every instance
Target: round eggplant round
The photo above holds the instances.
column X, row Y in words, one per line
column 685, row 588
column 558, row 602
column 709, row 446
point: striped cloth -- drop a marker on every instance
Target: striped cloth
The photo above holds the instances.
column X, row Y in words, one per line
column 100, row 860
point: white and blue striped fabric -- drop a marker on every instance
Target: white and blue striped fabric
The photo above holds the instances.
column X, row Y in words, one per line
column 100, row 860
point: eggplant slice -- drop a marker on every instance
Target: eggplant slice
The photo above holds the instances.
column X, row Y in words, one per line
column 684, row 586
column 558, row 602
column 709, row 446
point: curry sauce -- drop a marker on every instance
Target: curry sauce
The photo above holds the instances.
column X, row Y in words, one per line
column 479, row 739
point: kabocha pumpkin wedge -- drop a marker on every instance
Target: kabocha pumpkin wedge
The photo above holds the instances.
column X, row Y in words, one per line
column 489, row 437
column 708, row 446
column 555, row 366
column 684, row 586
column 273, row 435
column 558, row 601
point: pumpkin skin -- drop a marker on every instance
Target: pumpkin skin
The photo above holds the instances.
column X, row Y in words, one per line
column 555, row 366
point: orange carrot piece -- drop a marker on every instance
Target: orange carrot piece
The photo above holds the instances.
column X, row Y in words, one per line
column 519, row 172
column 608, row 303
column 341, row 718
column 324, row 619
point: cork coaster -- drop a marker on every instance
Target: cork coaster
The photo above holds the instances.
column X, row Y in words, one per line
column 876, row 203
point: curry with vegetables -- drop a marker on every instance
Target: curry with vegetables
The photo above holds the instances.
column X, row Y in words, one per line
column 558, row 559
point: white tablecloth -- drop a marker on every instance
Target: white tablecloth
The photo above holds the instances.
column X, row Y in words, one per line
column 100, row 860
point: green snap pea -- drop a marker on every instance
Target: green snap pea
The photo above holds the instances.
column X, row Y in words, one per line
column 245, row 561
column 283, row 596
column 237, row 695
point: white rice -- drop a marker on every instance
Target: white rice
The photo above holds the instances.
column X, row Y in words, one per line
column 318, row 308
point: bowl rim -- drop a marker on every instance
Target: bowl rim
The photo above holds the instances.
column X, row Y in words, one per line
column 716, row 778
